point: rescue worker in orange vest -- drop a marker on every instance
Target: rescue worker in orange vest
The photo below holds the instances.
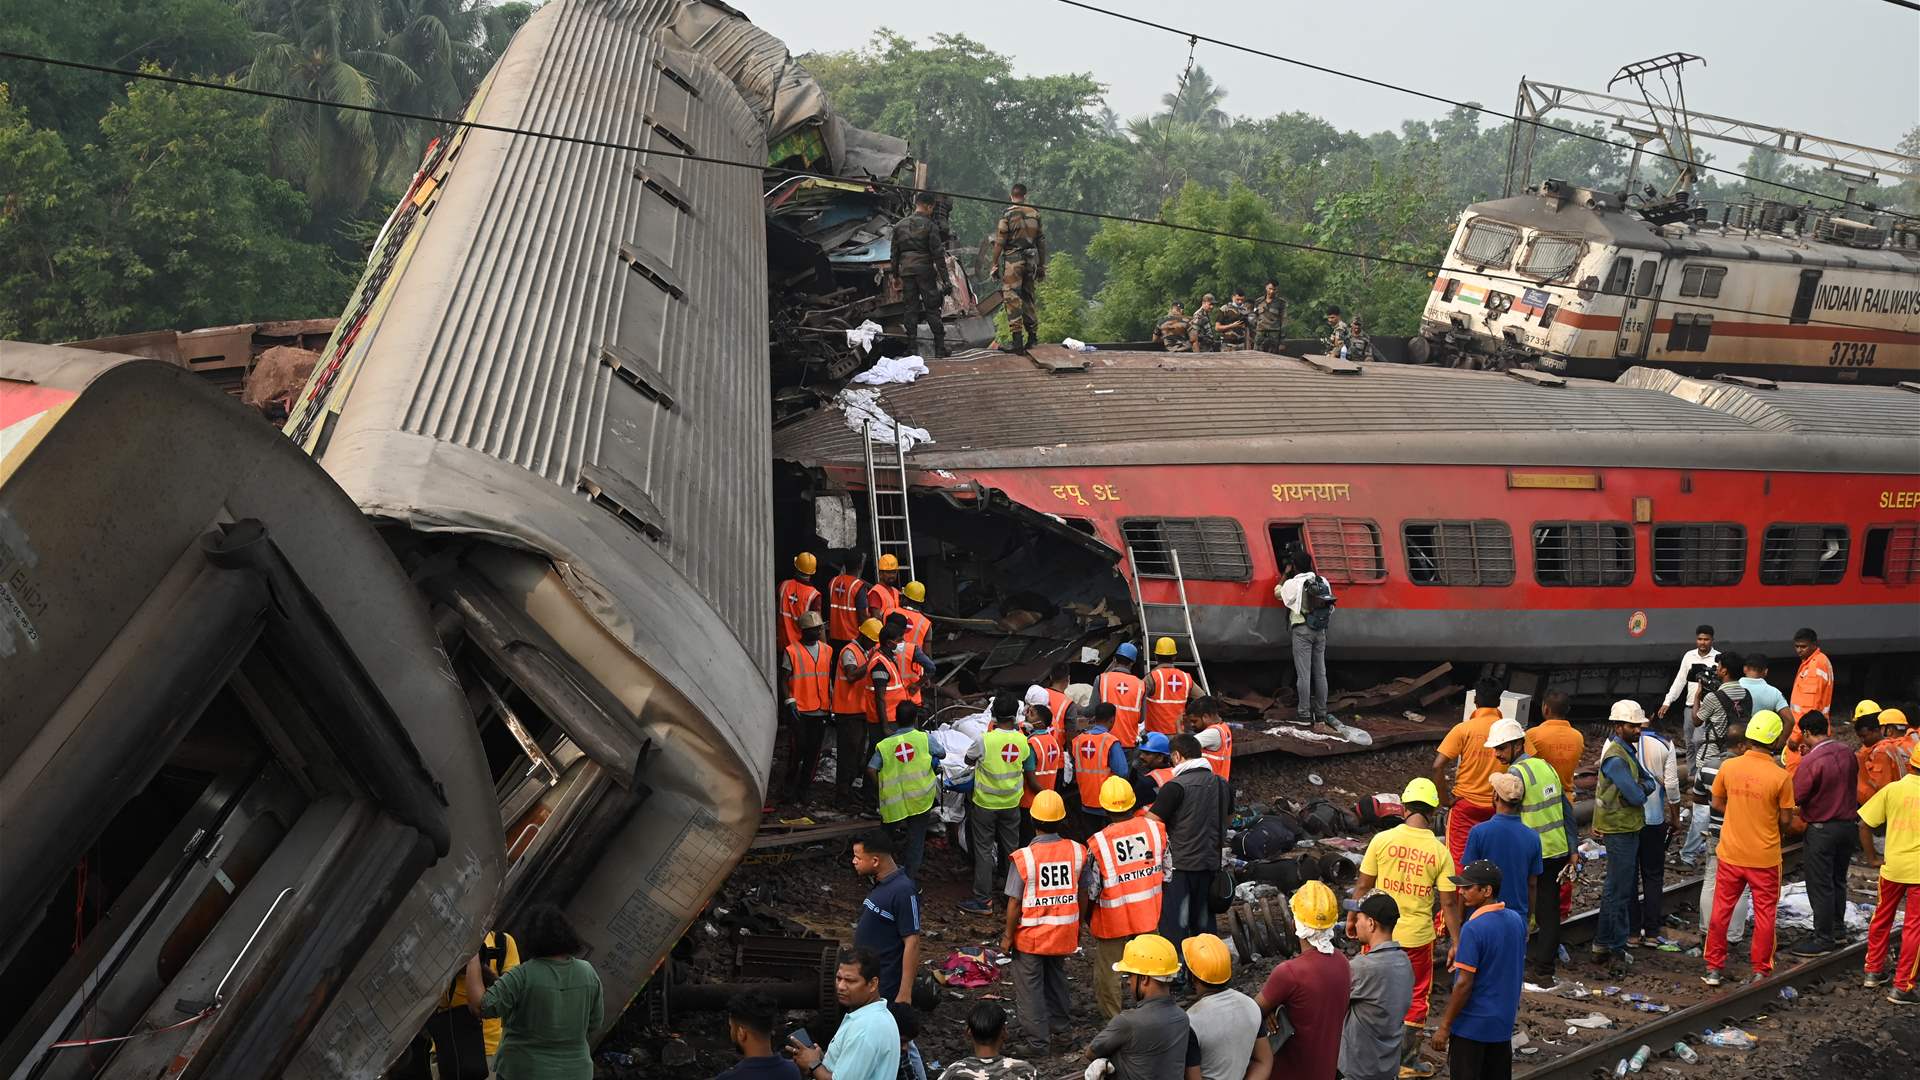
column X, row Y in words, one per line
column 1126, row 867
column 1056, row 689
column 883, row 596
column 1167, row 689
column 846, row 602
column 1216, row 738
column 1049, row 745
column 913, row 643
column 1097, row 754
column 852, row 697
column 1153, row 766
column 806, row 670
column 1045, row 894
column 1120, row 687
column 796, row 596
column 1812, row 689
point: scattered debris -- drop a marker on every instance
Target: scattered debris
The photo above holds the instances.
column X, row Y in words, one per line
column 864, row 415
column 893, row 369
column 1731, row 1038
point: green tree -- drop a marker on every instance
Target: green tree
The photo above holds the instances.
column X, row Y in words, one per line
column 499, row 22
column 1062, row 303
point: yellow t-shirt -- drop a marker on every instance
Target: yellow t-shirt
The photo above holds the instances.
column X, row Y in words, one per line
column 1410, row 865
column 457, row 995
column 1756, row 790
column 1897, row 806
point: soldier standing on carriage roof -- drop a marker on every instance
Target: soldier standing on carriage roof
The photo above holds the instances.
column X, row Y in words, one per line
column 920, row 260
column 1019, row 250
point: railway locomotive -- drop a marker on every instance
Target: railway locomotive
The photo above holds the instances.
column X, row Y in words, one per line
column 1575, row 281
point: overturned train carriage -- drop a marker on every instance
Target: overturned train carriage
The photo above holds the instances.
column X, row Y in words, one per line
column 551, row 387
column 245, row 819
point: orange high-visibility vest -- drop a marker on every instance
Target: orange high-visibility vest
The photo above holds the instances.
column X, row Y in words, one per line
column 1160, row 778
column 843, row 616
column 811, row 684
column 882, row 600
column 896, row 686
column 1123, row 692
column 1092, row 764
column 1221, row 760
column 796, row 598
column 1049, row 897
column 919, row 629
column 850, row 694
column 1128, row 855
column 1058, row 702
column 1167, row 688
column 1046, row 763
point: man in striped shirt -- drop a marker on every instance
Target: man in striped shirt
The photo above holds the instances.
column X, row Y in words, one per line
column 1724, row 704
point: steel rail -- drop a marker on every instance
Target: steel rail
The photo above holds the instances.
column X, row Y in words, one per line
column 1578, row 929
column 1661, row 1031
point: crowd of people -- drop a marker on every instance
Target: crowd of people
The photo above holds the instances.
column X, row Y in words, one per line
column 1259, row 325
column 1102, row 808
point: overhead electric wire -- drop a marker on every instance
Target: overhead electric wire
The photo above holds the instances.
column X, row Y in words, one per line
column 605, row 144
column 1473, row 106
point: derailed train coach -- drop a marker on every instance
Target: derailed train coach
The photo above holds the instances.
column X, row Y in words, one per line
column 247, row 829
column 551, row 390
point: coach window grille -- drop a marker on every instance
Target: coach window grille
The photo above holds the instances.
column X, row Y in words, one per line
column 1489, row 243
column 1702, row 554
column 1346, row 550
column 1211, row 548
column 1803, row 555
column 1690, row 333
column 1550, row 257
column 1892, row 554
column 1458, row 552
column 1583, row 553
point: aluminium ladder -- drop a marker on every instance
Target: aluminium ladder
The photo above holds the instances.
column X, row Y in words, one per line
column 887, row 509
column 1182, row 633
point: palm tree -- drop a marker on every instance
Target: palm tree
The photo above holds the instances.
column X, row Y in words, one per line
column 330, row 50
column 1197, row 101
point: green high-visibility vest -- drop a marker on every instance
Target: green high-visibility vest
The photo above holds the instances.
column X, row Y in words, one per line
column 1540, row 805
column 906, row 775
column 1000, row 776
column 1612, row 813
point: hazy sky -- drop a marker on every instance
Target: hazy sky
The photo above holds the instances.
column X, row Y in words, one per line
column 1858, row 79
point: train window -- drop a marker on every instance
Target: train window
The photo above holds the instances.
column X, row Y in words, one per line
column 1803, row 296
column 1803, row 555
column 1619, row 277
column 1892, row 554
column 1211, row 548
column 1458, row 552
column 1346, row 549
column 1489, row 243
column 1690, row 332
column 1702, row 280
column 1583, row 553
column 1707, row 554
column 1643, row 281
column 1552, row 256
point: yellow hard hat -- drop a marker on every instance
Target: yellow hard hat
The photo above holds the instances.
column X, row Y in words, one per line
column 1047, row 806
column 1164, row 647
column 1149, row 954
column 1314, row 906
column 805, row 562
column 1421, row 790
column 915, row 592
column 1892, row 718
column 1866, row 708
column 870, row 629
column 1116, row 795
column 1207, row 958
column 1765, row 727
column 888, row 562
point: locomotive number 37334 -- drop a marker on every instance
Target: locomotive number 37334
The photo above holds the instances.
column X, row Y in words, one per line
column 1852, row 354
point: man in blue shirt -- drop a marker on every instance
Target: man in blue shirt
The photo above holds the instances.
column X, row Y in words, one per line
column 1476, row 1033
column 1509, row 844
column 1760, row 692
column 867, row 1046
column 750, row 1020
column 889, row 925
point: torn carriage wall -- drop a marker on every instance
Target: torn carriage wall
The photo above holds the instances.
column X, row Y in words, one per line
column 552, row 381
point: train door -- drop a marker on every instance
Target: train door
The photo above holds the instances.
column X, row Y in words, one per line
column 1803, row 298
column 1640, row 292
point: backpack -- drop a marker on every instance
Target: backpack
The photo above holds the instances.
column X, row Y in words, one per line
column 1317, row 601
column 1736, row 710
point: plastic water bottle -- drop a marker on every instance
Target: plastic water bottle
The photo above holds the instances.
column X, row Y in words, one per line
column 1685, row 1053
column 1640, row 1058
column 1788, row 994
column 1620, row 1069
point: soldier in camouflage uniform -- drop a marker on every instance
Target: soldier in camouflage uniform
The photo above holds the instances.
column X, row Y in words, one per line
column 987, row 1030
column 1019, row 251
column 1269, row 320
column 1206, row 334
column 1232, row 322
column 1359, row 346
column 1174, row 334
column 1337, row 333
column 920, row 260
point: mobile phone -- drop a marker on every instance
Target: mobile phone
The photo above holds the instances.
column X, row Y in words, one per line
column 800, row 1036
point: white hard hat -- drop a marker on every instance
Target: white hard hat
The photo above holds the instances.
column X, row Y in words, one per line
column 1036, row 695
column 1628, row 711
column 1505, row 731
